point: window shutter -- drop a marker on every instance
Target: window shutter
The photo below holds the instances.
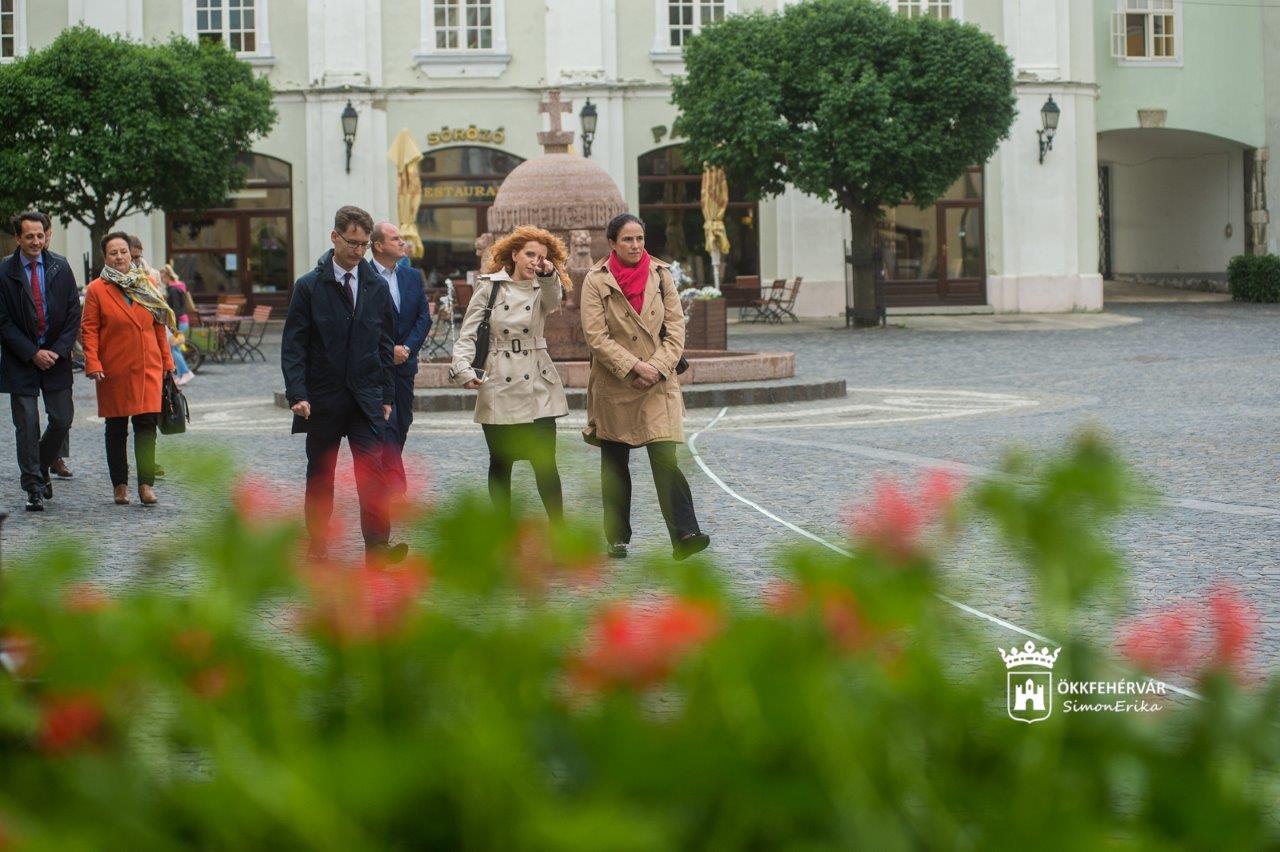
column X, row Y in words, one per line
column 1118, row 35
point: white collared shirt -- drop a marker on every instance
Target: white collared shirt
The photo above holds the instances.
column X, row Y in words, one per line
column 389, row 275
column 340, row 273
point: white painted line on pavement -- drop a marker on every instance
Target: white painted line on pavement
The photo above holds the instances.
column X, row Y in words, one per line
column 697, row 457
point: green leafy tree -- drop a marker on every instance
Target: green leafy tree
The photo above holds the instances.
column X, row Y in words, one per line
column 98, row 128
column 848, row 101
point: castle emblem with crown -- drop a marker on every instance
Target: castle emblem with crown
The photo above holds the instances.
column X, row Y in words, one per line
column 1029, row 688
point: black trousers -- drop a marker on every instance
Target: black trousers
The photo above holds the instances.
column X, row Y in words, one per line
column 396, row 433
column 144, row 448
column 534, row 441
column 35, row 451
column 330, row 422
column 674, row 497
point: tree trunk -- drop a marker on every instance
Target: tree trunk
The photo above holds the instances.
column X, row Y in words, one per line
column 862, row 254
column 97, row 231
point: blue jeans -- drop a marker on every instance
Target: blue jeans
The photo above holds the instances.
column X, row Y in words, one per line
column 176, row 351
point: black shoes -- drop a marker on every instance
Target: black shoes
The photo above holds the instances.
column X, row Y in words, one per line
column 48, row 487
column 690, row 544
column 617, row 551
column 35, row 500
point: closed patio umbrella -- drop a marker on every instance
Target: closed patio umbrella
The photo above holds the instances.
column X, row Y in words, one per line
column 715, row 199
column 405, row 155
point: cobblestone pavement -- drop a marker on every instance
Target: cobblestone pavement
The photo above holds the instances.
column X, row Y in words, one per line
column 1187, row 392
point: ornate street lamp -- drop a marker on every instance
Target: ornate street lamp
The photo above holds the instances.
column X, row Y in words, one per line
column 588, row 118
column 1049, row 114
column 349, row 120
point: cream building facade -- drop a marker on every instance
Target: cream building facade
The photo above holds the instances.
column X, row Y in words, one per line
column 1155, row 169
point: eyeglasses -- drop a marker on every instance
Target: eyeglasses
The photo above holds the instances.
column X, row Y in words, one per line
column 355, row 245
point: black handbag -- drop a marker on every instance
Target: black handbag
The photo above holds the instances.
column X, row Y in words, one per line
column 482, row 331
column 683, row 363
column 174, row 413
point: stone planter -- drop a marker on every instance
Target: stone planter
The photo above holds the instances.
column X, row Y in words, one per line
column 708, row 326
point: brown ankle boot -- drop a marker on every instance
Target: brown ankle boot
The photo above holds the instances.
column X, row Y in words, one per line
column 122, row 495
column 147, row 495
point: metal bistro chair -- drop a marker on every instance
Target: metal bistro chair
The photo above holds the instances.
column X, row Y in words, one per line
column 785, row 306
column 440, row 336
column 226, row 325
column 763, row 309
column 258, row 323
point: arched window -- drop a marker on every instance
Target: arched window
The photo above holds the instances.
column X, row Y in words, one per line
column 243, row 247
column 458, row 188
column 671, row 207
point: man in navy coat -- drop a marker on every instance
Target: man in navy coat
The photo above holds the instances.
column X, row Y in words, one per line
column 39, row 322
column 336, row 354
column 413, row 320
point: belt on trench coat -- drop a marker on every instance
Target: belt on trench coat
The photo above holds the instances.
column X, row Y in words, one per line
column 517, row 344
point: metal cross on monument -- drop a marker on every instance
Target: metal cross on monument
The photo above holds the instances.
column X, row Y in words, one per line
column 556, row 140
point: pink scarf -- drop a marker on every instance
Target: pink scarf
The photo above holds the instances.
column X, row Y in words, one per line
column 632, row 279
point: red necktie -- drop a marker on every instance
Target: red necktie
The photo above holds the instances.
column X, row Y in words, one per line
column 38, row 299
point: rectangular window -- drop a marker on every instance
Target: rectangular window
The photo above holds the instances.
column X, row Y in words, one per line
column 940, row 9
column 686, row 18
column 463, row 24
column 1145, row 29
column 229, row 22
column 8, row 29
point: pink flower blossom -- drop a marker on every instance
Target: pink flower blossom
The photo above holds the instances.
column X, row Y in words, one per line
column 638, row 646
column 1161, row 642
column 70, row 721
column 365, row 603
column 1232, row 619
column 84, row 598
column 1208, row 633
column 895, row 520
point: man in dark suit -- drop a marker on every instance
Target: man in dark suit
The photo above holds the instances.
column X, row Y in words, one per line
column 413, row 320
column 39, row 321
column 337, row 358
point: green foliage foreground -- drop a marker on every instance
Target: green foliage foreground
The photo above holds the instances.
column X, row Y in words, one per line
column 504, row 694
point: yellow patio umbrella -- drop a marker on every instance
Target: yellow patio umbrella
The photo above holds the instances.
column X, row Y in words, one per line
column 405, row 155
column 715, row 199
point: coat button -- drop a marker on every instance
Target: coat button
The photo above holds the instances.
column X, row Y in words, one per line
column 506, row 354
column 633, row 337
column 508, row 378
column 528, row 307
column 524, row 331
column 526, row 375
column 506, row 307
column 506, row 331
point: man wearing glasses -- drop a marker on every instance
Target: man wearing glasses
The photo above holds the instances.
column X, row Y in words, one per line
column 337, row 354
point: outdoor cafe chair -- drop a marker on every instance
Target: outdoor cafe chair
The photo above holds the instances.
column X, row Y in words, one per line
column 764, row 308
column 247, row 344
column 785, row 305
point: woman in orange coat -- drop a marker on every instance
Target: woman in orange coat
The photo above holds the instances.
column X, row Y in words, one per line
column 126, row 353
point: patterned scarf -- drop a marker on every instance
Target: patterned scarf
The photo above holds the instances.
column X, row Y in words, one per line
column 137, row 286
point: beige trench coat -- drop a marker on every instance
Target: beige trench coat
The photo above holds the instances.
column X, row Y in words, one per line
column 619, row 338
column 522, row 384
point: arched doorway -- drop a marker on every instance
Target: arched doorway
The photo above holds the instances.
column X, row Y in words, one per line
column 458, row 188
column 671, row 207
column 245, row 246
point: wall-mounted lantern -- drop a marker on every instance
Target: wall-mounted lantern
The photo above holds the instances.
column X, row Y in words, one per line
column 1049, row 115
column 588, row 118
column 349, row 120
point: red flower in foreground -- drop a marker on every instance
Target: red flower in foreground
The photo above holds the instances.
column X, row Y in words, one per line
column 633, row 645
column 837, row 606
column 369, row 602
column 68, row 722
column 1210, row 633
column 213, row 682
column 84, row 597
column 257, row 501
column 895, row 520
column 538, row 565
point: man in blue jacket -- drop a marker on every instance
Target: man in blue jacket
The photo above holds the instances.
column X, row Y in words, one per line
column 39, row 322
column 337, row 357
column 413, row 320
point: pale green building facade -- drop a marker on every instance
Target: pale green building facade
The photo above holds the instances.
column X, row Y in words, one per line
column 1157, row 167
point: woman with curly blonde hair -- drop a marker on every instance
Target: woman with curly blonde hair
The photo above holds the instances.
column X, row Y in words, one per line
column 520, row 392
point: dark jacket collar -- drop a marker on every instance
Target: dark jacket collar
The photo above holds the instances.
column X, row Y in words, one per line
column 324, row 270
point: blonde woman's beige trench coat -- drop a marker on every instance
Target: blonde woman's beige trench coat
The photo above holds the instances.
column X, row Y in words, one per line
column 522, row 385
column 619, row 338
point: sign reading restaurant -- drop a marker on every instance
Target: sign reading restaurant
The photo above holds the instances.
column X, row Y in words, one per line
column 446, row 135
